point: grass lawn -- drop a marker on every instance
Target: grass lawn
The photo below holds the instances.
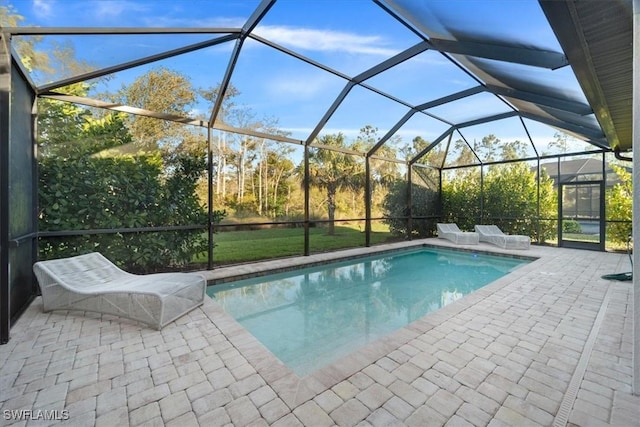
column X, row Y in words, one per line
column 242, row 246
column 591, row 238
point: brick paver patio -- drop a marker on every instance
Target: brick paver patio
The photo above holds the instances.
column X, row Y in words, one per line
column 549, row 344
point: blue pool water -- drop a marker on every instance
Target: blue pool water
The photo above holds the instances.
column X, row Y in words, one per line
column 311, row 317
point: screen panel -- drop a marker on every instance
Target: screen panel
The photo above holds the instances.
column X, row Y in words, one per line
column 20, row 201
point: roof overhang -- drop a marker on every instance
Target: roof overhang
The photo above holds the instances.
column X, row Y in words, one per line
column 597, row 38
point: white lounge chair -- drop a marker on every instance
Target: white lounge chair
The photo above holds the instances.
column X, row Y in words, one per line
column 93, row 283
column 453, row 233
column 492, row 234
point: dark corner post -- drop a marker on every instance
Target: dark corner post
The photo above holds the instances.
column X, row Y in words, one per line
column 409, row 202
column 481, row 219
column 603, row 203
column 440, row 198
column 604, row 222
column 305, row 184
column 210, row 225
column 34, row 192
column 5, row 97
column 367, row 201
column 539, row 226
column 559, row 201
column 636, row 200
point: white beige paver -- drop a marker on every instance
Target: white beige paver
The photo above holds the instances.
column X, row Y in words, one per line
column 508, row 354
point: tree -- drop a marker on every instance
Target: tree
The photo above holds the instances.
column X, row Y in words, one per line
column 228, row 102
column 619, row 206
column 434, row 157
column 60, row 124
column 383, row 173
column 510, row 200
column 243, row 148
column 87, row 183
column 222, row 151
column 488, row 147
column 561, row 142
column 514, row 150
column 273, row 170
column 461, row 198
column 243, row 176
column 464, row 154
column 333, row 171
column 34, row 60
column 424, row 204
column 89, row 192
column 162, row 91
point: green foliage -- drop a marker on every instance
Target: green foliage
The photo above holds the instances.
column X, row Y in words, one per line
column 163, row 91
column 27, row 47
column 88, row 181
column 571, row 226
column 424, row 204
column 619, row 206
column 333, row 171
column 509, row 200
column 461, row 199
column 89, row 192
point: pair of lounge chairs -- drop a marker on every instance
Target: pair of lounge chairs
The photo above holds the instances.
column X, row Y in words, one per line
column 483, row 233
column 91, row 282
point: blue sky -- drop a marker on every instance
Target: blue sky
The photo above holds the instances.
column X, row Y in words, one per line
column 349, row 36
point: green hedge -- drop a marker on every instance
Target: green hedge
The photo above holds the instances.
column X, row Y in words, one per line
column 88, row 192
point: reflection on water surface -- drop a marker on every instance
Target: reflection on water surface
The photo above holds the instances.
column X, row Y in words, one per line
column 311, row 317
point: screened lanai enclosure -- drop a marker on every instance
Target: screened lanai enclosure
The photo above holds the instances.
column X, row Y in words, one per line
column 170, row 138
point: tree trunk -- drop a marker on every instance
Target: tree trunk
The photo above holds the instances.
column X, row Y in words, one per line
column 266, row 187
column 331, row 206
column 223, row 168
column 276, row 185
column 260, row 167
column 241, row 170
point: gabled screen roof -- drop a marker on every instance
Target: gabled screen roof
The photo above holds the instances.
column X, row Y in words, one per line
column 432, row 68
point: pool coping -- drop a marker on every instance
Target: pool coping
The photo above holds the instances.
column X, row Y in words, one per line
column 222, row 275
column 293, row 389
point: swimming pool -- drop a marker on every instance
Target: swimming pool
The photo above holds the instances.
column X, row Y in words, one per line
column 311, row 317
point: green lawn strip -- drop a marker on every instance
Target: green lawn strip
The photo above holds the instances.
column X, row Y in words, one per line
column 581, row 237
column 252, row 245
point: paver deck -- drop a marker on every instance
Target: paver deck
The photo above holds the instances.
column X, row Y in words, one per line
column 548, row 344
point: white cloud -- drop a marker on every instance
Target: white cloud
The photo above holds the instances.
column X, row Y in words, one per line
column 105, row 10
column 43, row 9
column 219, row 22
column 297, row 131
column 298, row 87
column 325, row 40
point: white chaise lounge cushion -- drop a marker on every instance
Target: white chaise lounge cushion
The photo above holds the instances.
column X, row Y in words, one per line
column 492, row 234
column 452, row 233
column 91, row 282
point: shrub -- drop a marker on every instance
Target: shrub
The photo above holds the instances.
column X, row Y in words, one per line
column 571, row 226
column 424, row 204
column 619, row 206
column 89, row 193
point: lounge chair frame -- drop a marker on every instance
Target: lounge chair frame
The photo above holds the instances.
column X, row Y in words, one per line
column 452, row 233
column 492, row 234
column 91, row 282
